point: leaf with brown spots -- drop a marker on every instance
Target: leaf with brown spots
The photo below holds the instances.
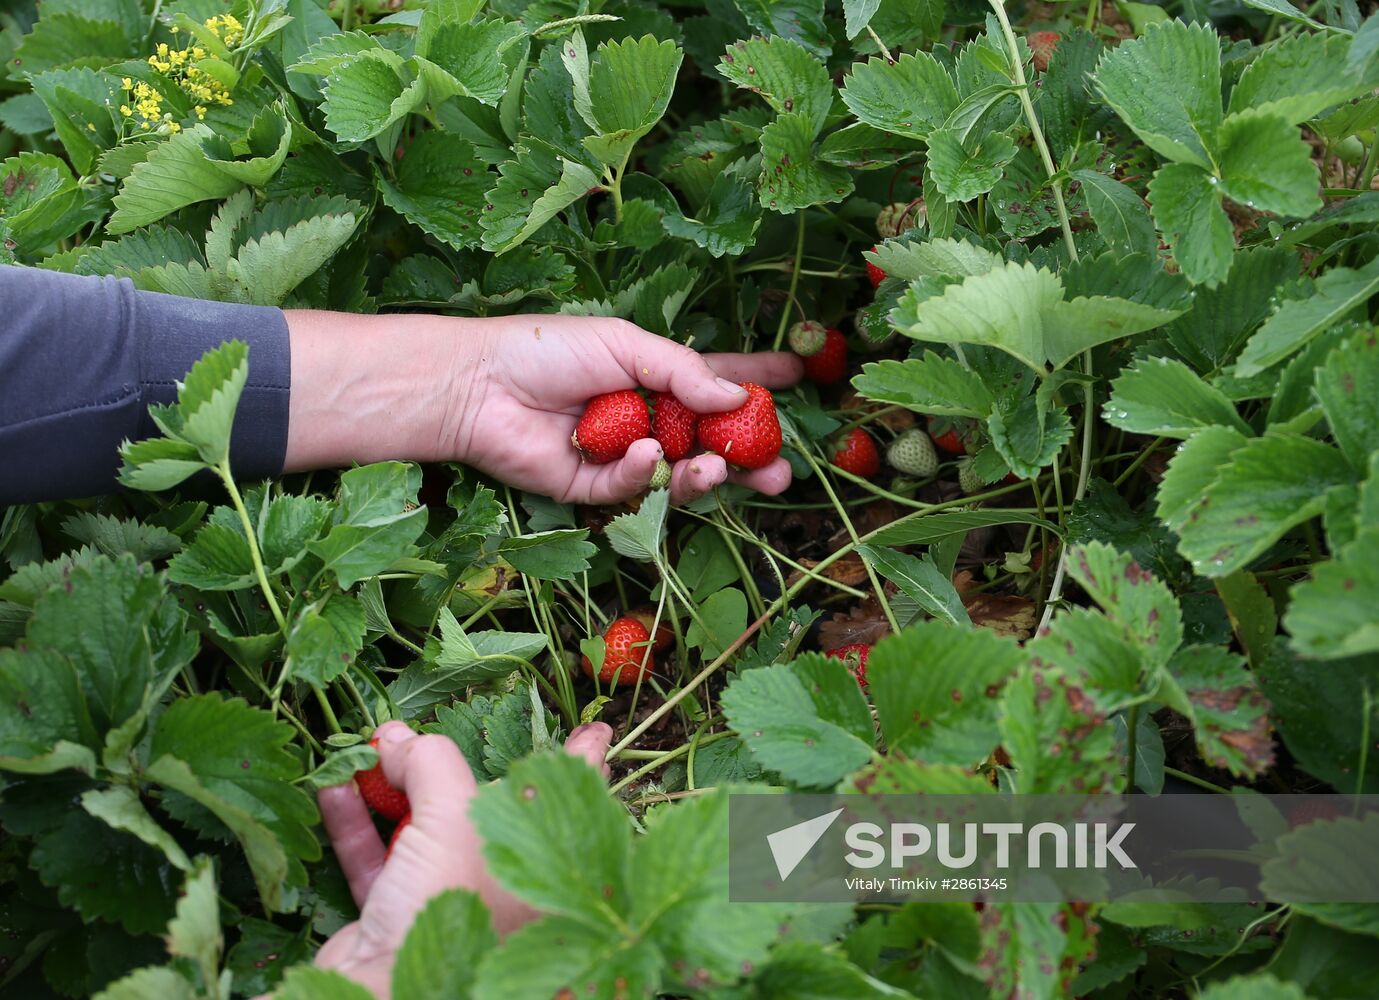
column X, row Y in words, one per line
column 1005, row 614
column 1057, row 738
column 1229, row 713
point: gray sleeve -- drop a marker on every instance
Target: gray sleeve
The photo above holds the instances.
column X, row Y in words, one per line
column 81, row 358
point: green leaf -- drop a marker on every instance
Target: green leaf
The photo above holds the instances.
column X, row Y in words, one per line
column 233, row 760
column 921, row 579
column 800, row 970
column 1138, row 602
column 105, row 875
column 114, row 537
column 76, row 100
column 1057, row 739
column 368, row 92
column 857, row 14
column 1285, row 10
column 373, row 527
column 472, row 656
column 440, row 955
column 799, row 20
column 1265, row 164
column 1187, row 208
column 269, row 139
column 440, row 188
column 478, row 58
column 945, row 713
column 562, row 554
column 1167, row 87
column 1103, row 515
column 270, row 267
column 932, row 384
column 307, row 982
column 935, row 527
column 963, row 169
column 1212, row 688
column 328, row 51
column 1119, row 213
column 628, row 89
column 194, row 933
column 912, row 96
column 217, row 559
column 1260, row 986
column 176, row 173
column 323, row 641
column 524, row 821
column 68, row 39
column 1161, row 396
column 39, row 200
column 164, row 983
column 1297, row 77
column 948, row 259
column 801, row 720
column 1347, row 385
column 1331, row 614
column 726, row 223
column 1025, row 438
column 784, row 72
column 1297, row 320
column 725, row 614
column 640, row 535
column 791, row 176
column 1210, row 334
column 119, row 808
column 1267, row 486
column 531, row 190
column 585, row 959
column 1321, row 863
column 45, row 725
column 115, row 623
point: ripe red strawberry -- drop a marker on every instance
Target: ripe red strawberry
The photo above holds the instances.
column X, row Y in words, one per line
column 378, row 795
column 857, row 454
column 874, row 274
column 854, row 654
column 946, row 436
column 830, row 365
column 664, row 634
column 674, row 425
column 397, row 832
column 610, row 424
column 1041, row 45
column 748, row 437
column 624, row 645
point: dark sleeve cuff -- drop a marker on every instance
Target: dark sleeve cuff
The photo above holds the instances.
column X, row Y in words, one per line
column 172, row 333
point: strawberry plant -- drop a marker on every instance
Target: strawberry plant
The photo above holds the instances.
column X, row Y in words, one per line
column 1120, row 263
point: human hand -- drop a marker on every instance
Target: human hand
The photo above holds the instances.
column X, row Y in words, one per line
column 438, row 850
column 504, row 394
column 535, row 375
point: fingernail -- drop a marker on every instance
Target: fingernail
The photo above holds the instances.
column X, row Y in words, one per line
column 394, row 734
column 732, row 387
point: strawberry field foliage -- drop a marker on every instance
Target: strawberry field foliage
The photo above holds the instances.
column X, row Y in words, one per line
column 1139, row 287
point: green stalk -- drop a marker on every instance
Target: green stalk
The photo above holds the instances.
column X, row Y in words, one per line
column 261, row 574
column 794, row 286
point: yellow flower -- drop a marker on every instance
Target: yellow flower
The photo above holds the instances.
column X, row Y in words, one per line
column 124, row 110
column 127, row 83
column 200, row 112
column 90, row 127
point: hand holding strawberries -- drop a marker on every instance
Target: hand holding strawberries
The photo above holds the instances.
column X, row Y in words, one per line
column 437, row 850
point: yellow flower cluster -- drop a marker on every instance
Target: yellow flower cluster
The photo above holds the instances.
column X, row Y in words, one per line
column 227, row 28
column 144, row 104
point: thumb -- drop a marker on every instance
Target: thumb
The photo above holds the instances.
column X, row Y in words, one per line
column 662, row 365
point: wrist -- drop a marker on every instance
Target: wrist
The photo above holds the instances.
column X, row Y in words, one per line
column 373, row 388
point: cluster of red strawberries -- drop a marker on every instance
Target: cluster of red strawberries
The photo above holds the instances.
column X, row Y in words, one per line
column 748, row 437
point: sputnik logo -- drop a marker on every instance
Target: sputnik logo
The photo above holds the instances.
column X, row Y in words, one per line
column 789, row 846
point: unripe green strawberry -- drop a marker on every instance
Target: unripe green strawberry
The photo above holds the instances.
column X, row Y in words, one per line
column 899, row 217
column 660, row 478
column 378, row 794
column 913, row 454
column 748, row 437
column 611, row 422
column 807, row 337
column 968, row 479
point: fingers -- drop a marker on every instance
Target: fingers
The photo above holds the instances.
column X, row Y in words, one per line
column 693, row 477
column 620, row 480
column 662, row 365
column 773, row 369
column 357, row 845
column 432, row 772
column 590, row 744
column 769, row 480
